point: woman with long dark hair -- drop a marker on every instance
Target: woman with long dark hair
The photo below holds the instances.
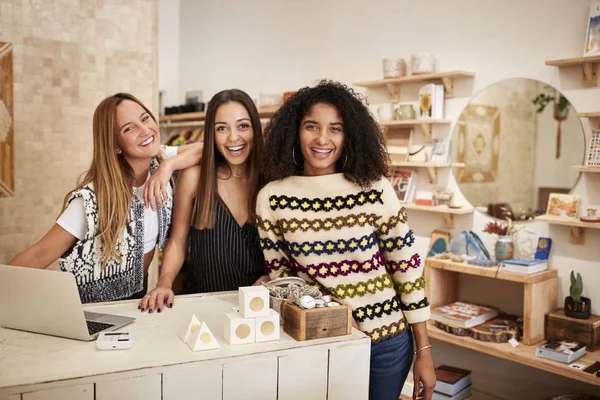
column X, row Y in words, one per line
column 330, row 216
column 214, row 207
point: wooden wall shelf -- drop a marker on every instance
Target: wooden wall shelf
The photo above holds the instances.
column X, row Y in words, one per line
column 393, row 85
column 263, row 112
column 448, row 212
column 425, row 125
column 585, row 168
column 587, row 64
column 491, row 272
column 539, row 291
column 577, row 227
column 432, row 168
column 521, row 354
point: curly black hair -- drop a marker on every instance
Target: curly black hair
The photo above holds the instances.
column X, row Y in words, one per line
column 364, row 145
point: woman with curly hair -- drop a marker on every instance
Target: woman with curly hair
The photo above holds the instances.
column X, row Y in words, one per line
column 330, row 216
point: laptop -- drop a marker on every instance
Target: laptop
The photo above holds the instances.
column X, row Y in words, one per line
column 48, row 302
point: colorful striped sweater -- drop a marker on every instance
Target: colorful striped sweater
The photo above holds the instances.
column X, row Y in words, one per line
column 354, row 243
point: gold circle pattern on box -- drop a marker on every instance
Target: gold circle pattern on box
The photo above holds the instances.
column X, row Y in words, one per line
column 242, row 331
column 267, row 328
column 205, row 337
column 257, row 304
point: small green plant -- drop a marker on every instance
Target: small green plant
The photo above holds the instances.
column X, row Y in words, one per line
column 550, row 95
column 576, row 286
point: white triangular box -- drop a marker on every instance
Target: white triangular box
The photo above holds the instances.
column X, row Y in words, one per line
column 186, row 330
column 202, row 339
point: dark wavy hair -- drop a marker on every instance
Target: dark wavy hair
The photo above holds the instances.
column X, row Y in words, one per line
column 364, row 145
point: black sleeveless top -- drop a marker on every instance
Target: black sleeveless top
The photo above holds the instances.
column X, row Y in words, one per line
column 225, row 257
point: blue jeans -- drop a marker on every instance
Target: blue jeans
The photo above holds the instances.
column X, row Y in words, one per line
column 390, row 363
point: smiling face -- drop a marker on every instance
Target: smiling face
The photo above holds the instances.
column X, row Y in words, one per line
column 137, row 136
column 321, row 139
column 233, row 133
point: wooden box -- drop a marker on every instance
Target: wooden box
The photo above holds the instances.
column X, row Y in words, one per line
column 315, row 323
column 585, row 331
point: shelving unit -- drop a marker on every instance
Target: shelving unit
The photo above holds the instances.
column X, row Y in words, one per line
column 577, row 227
column 521, row 354
column 425, row 125
column 432, row 168
column 393, row 85
column 448, row 212
column 585, row 168
column 587, row 64
column 540, row 291
column 263, row 112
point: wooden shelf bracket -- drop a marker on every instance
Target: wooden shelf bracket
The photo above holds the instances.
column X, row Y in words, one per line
column 433, row 175
column 449, row 221
column 589, row 75
column 448, row 83
column 427, row 130
column 577, row 235
column 394, row 92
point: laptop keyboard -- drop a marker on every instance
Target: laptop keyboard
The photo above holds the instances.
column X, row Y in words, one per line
column 95, row 327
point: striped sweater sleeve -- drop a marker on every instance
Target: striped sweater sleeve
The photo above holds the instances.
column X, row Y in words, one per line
column 403, row 263
column 277, row 262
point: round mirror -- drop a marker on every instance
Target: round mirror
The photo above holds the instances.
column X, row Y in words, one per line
column 514, row 144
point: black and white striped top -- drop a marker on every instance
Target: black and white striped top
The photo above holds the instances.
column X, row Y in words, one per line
column 225, row 257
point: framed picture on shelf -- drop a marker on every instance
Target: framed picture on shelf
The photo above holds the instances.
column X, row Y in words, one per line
column 440, row 150
column 592, row 36
column 563, row 205
column 592, row 158
column 404, row 182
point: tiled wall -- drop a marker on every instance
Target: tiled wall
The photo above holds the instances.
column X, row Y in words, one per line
column 68, row 56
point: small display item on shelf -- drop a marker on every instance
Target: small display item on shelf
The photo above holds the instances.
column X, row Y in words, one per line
column 543, row 248
column 562, row 351
column 463, row 314
column 592, row 158
column 393, row 68
column 563, row 205
column 481, row 262
column 591, row 215
column 559, row 326
column 422, row 63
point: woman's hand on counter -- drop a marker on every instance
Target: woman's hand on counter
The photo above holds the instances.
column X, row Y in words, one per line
column 157, row 299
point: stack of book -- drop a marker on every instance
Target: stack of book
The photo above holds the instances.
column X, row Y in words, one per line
column 462, row 314
column 563, row 351
column 525, row 266
column 452, row 383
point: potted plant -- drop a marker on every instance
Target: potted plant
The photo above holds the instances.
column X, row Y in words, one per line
column 561, row 109
column 576, row 305
column 504, row 247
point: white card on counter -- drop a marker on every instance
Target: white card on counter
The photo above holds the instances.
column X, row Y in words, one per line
column 513, row 342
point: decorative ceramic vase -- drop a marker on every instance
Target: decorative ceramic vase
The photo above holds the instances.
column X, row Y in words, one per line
column 386, row 112
column 505, row 248
column 422, row 63
column 405, row 111
column 393, row 68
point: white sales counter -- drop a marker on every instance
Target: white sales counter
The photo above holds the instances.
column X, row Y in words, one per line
column 161, row 366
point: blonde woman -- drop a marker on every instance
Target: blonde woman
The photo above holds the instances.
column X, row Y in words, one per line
column 105, row 235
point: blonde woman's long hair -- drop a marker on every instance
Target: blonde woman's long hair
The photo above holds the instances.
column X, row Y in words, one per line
column 111, row 176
